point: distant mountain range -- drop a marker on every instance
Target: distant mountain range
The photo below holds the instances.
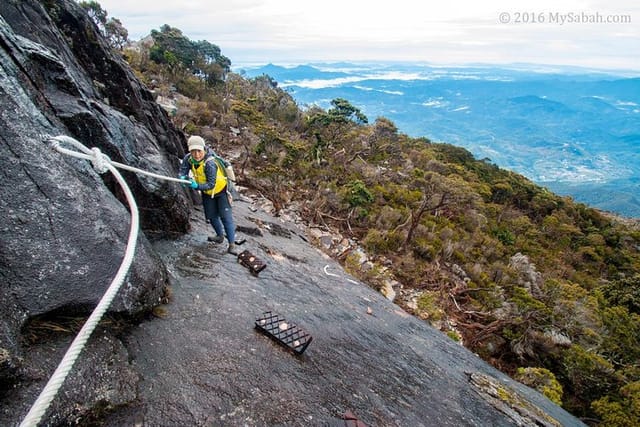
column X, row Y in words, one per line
column 574, row 131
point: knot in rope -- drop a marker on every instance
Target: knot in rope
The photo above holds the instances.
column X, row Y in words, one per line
column 99, row 160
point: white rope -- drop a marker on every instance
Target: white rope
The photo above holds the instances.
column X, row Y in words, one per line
column 98, row 158
column 337, row 275
column 329, row 274
column 102, row 163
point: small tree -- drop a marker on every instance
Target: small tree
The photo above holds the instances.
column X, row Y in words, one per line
column 338, row 118
column 438, row 193
column 116, row 33
column 112, row 29
column 95, row 12
column 343, row 112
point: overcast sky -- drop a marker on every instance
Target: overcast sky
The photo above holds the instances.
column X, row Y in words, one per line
column 442, row 32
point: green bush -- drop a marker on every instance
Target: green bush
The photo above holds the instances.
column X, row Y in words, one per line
column 590, row 376
column 542, row 380
column 382, row 242
column 620, row 412
column 357, row 194
column 429, row 306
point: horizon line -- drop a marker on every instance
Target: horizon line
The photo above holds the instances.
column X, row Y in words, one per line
column 518, row 65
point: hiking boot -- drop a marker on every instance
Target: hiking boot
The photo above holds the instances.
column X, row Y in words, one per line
column 217, row 239
column 232, row 249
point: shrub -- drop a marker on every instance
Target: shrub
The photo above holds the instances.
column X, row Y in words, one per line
column 357, row 194
column 382, row 242
column 622, row 412
column 590, row 376
column 454, row 335
column 542, row 380
column 429, row 306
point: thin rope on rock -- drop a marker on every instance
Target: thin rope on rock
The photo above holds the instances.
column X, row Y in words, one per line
column 102, row 164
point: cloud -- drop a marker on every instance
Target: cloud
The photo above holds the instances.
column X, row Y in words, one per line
column 453, row 31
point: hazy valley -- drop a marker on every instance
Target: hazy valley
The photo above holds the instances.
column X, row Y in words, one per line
column 575, row 131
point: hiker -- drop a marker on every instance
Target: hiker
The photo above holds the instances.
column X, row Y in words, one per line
column 210, row 178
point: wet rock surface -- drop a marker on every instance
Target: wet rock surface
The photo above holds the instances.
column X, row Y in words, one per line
column 205, row 364
column 63, row 226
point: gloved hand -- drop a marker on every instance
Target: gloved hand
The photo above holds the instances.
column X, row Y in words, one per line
column 194, row 184
column 182, row 183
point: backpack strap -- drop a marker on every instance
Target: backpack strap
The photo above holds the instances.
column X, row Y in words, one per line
column 220, row 164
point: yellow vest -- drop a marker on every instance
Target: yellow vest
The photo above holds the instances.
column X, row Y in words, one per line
column 201, row 178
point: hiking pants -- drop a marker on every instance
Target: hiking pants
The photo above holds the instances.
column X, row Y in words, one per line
column 217, row 210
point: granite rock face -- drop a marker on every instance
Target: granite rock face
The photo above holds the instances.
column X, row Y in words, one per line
column 200, row 361
column 63, row 226
column 204, row 362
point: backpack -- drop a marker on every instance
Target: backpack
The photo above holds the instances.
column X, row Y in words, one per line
column 227, row 171
column 225, row 166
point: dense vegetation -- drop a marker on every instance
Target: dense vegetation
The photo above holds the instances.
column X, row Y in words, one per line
column 545, row 289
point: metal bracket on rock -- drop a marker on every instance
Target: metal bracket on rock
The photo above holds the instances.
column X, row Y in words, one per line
column 284, row 332
column 252, row 262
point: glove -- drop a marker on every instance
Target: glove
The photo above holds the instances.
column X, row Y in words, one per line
column 185, row 178
column 194, row 184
